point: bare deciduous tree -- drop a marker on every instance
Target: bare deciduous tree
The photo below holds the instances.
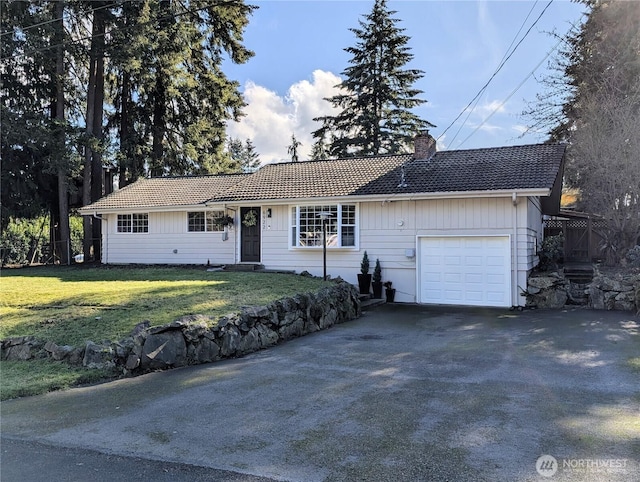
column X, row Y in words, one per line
column 604, row 162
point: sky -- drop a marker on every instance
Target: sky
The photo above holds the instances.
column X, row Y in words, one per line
column 299, row 57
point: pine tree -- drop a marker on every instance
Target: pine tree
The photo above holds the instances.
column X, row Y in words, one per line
column 377, row 94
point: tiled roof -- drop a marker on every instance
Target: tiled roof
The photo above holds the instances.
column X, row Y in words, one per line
column 504, row 168
column 295, row 180
column 167, row 191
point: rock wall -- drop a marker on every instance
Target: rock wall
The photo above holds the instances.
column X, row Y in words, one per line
column 605, row 292
column 196, row 339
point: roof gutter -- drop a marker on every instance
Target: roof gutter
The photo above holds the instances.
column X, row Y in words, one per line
column 504, row 193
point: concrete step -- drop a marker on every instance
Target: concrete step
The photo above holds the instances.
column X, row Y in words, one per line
column 243, row 267
column 578, row 273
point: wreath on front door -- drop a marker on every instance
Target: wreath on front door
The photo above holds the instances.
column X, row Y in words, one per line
column 250, row 218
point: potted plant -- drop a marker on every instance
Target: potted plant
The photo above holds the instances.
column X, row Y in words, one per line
column 389, row 291
column 364, row 278
column 224, row 220
column 376, row 281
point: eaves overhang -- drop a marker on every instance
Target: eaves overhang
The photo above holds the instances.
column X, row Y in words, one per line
column 502, row 193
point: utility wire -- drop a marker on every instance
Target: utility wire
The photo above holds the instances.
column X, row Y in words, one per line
column 562, row 39
column 24, row 29
column 470, row 111
column 502, row 64
column 115, row 29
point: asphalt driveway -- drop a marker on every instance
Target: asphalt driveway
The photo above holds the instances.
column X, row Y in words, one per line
column 403, row 393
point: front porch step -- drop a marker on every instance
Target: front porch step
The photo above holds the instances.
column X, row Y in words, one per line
column 579, row 273
column 368, row 301
column 243, row 267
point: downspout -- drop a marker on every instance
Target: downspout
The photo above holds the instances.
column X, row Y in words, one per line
column 514, row 277
column 236, row 232
column 105, row 247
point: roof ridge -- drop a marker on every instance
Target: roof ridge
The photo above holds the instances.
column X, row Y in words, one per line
column 536, row 144
column 355, row 158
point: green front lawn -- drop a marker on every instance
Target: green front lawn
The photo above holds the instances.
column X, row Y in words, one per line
column 71, row 305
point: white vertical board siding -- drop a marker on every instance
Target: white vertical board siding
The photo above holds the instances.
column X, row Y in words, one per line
column 387, row 230
column 277, row 253
column 167, row 232
column 535, row 231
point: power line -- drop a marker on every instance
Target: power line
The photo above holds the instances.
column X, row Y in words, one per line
column 116, row 29
column 58, row 19
column 562, row 39
column 502, row 64
column 470, row 111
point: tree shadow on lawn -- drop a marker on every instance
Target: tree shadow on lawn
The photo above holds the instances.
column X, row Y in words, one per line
column 75, row 319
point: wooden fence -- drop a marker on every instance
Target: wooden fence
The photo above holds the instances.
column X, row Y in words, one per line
column 582, row 238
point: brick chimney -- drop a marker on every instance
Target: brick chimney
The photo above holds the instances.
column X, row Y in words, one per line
column 424, row 145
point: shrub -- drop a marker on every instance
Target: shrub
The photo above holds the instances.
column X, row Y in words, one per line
column 633, row 257
column 377, row 272
column 364, row 265
column 551, row 252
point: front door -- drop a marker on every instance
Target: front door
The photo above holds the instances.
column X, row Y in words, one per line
column 250, row 235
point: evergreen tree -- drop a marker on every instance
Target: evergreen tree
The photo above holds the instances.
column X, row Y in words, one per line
column 172, row 67
column 251, row 160
column 377, row 94
column 28, row 183
column 292, row 149
column 39, row 164
column 319, row 150
column 244, row 155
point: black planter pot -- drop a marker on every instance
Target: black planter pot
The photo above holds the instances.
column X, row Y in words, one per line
column 377, row 289
column 391, row 294
column 364, row 281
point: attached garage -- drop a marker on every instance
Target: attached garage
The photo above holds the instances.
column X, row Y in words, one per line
column 465, row 270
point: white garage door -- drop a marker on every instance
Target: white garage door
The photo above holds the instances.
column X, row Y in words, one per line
column 465, row 270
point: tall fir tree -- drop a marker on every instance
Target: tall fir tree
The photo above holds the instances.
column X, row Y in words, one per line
column 378, row 94
column 169, row 60
column 166, row 97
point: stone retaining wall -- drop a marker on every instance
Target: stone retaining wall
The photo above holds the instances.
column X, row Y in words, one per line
column 605, row 292
column 196, row 339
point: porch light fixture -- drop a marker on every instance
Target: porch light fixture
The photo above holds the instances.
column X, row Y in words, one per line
column 324, row 216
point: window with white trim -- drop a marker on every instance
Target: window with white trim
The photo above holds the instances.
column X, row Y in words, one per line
column 201, row 221
column 133, row 223
column 306, row 226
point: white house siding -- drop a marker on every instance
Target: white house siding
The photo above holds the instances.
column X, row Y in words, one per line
column 167, row 232
column 389, row 231
column 535, row 230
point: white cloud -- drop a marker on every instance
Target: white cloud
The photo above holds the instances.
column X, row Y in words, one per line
column 270, row 119
column 520, row 129
column 489, row 108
